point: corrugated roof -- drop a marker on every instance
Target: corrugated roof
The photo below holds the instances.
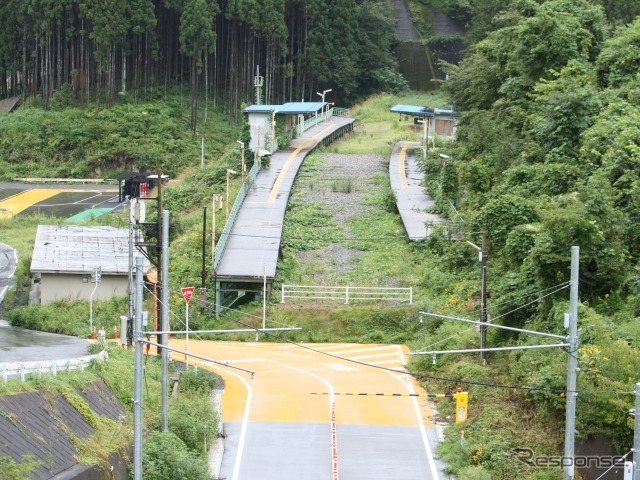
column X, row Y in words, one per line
column 292, row 108
column 262, row 108
column 295, row 108
column 413, row 110
column 80, row 249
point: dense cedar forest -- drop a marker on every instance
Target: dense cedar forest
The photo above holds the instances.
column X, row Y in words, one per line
column 113, row 46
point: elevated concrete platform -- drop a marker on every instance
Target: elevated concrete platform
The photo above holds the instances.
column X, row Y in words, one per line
column 412, row 201
column 254, row 242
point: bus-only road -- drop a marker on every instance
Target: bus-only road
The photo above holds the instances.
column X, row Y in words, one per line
column 315, row 412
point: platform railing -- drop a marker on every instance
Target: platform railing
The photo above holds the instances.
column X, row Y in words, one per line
column 233, row 214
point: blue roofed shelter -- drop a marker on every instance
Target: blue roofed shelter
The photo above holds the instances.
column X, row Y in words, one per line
column 296, row 115
column 440, row 121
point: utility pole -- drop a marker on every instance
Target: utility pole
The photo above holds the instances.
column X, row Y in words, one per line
column 483, row 295
column 164, row 339
column 203, row 287
column 572, row 369
column 138, row 376
column 571, row 343
column 482, row 252
column 636, row 436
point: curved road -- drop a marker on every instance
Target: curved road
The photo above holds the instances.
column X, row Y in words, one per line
column 296, row 419
column 8, row 264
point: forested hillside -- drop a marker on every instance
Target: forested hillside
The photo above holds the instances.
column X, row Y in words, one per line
column 100, row 48
column 547, row 156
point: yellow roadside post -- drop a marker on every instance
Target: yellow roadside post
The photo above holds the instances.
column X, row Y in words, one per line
column 462, row 405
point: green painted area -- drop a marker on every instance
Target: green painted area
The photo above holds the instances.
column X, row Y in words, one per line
column 87, row 215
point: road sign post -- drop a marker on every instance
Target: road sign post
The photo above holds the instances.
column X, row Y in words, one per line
column 186, row 293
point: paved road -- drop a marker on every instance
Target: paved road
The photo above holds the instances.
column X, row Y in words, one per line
column 8, row 263
column 294, row 420
column 61, row 201
column 20, row 345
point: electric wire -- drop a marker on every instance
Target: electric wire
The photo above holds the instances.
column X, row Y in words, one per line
column 615, row 464
column 421, row 376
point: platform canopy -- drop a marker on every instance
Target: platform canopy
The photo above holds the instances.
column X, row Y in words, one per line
column 414, row 111
column 293, row 108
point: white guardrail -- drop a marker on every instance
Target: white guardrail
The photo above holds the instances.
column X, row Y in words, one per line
column 39, row 367
column 346, row 293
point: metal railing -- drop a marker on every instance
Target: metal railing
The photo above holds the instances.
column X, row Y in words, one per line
column 233, row 214
column 346, row 293
column 22, row 369
column 340, row 112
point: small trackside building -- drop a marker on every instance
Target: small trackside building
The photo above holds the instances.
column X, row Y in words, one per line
column 441, row 122
column 73, row 262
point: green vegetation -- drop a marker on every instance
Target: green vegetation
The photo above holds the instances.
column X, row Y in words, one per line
column 11, row 470
column 193, row 422
column 129, row 136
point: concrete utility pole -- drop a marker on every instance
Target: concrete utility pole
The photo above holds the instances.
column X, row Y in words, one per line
column 164, row 339
column 138, row 376
column 636, row 437
column 483, row 295
column 572, row 369
column 482, row 251
column 203, row 285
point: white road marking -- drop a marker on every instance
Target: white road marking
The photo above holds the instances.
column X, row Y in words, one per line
column 332, row 400
column 385, row 362
column 358, row 350
column 423, row 431
column 340, row 367
column 362, row 357
column 245, row 421
column 331, row 347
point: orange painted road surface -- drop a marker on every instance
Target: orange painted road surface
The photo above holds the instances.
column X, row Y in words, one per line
column 296, row 405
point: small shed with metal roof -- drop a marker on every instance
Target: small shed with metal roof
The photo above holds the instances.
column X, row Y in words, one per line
column 80, row 262
column 440, row 121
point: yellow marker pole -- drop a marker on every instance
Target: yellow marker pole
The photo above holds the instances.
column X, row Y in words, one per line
column 462, row 405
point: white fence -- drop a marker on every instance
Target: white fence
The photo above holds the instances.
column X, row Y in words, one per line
column 346, row 293
column 22, row 369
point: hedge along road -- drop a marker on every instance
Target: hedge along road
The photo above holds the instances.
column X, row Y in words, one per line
column 295, row 419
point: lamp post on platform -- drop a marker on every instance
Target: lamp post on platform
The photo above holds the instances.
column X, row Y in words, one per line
column 229, row 172
column 243, row 168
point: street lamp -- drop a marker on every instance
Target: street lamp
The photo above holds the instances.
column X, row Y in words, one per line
column 96, row 275
column 324, row 92
column 329, row 106
column 229, row 172
column 273, row 129
column 482, row 251
column 242, row 148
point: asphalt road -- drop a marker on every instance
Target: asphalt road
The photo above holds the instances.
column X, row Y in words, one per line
column 295, row 420
column 8, row 263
